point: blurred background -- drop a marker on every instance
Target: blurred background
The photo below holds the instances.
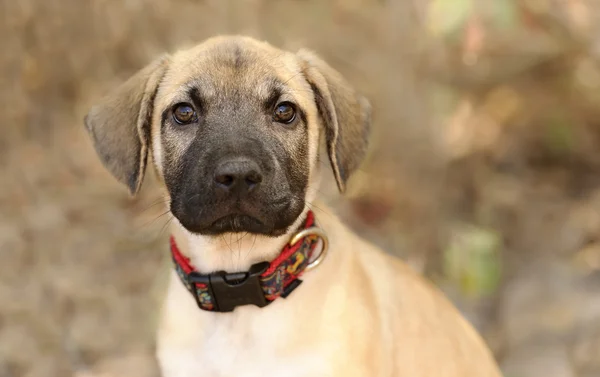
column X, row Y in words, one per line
column 483, row 170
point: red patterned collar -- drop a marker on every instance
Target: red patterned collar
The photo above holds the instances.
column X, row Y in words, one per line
column 263, row 283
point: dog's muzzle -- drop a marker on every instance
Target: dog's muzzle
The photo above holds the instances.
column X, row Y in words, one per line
column 239, row 193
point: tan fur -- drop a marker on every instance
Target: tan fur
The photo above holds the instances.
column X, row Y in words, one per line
column 340, row 108
column 360, row 313
column 120, row 125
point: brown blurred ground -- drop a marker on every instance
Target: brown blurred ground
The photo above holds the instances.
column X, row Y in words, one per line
column 483, row 171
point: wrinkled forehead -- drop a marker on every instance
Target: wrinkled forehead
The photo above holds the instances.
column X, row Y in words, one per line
column 218, row 72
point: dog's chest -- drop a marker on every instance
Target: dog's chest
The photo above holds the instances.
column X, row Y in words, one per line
column 246, row 343
column 230, row 349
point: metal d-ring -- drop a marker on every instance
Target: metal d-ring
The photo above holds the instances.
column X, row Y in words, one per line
column 312, row 231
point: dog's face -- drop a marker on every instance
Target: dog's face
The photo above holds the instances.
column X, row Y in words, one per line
column 234, row 127
column 234, row 137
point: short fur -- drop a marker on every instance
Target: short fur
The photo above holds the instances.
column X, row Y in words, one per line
column 361, row 312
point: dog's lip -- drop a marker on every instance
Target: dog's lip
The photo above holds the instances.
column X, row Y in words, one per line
column 239, row 216
column 236, row 216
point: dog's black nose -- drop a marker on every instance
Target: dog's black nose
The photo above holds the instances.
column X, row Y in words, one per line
column 239, row 175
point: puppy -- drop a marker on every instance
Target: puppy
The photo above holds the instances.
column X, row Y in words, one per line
column 261, row 285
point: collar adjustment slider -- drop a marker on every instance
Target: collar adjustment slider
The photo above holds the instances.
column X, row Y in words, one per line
column 230, row 290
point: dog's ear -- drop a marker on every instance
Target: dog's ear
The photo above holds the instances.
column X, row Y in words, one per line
column 119, row 125
column 345, row 114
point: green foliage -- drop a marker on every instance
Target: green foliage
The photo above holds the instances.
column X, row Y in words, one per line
column 559, row 135
column 448, row 16
column 472, row 261
column 504, row 14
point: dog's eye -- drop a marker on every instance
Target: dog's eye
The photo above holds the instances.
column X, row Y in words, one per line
column 184, row 113
column 285, row 112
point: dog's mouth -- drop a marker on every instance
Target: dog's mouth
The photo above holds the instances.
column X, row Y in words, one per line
column 270, row 219
column 232, row 222
column 236, row 223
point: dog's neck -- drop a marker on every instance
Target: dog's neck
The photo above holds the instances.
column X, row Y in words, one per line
column 231, row 252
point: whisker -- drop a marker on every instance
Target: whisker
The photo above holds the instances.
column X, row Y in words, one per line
column 311, row 205
column 301, row 90
column 231, row 243
column 239, row 251
column 294, row 75
column 192, row 197
column 165, row 226
column 154, row 203
column 251, row 247
column 228, row 245
column 242, row 237
column 225, row 242
column 148, row 223
column 239, row 242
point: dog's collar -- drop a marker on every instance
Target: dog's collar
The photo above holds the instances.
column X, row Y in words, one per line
column 263, row 283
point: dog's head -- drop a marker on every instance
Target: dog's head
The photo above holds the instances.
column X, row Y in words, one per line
column 233, row 126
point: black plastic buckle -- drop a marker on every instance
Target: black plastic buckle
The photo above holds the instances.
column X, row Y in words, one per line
column 234, row 289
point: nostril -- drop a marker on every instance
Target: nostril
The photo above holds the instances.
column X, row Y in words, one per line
column 237, row 175
column 253, row 178
column 225, row 180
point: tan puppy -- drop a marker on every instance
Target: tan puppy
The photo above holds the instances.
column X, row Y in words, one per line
column 234, row 128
